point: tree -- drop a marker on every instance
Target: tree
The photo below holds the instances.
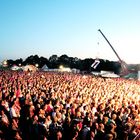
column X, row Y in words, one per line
column 29, row 60
column 64, row 60
column 44, row 61
column 86, row 64
column 32, row 60
column 53, row 61
column 19, row 62
column 10, row 62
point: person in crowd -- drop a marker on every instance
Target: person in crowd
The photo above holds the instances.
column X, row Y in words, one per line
column 60, row 106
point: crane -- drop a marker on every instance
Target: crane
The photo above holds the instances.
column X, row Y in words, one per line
column 123, row 64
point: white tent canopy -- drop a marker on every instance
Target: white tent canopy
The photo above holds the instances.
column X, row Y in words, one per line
column 15, row 67
column 109, row 74
column 44, row 68
column 29, row 68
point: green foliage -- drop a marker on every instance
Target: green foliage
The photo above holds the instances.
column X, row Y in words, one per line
column 72, row 62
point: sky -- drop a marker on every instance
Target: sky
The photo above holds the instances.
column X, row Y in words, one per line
column 48, row 27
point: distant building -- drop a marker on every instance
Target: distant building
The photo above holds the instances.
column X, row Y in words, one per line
column 139, row 75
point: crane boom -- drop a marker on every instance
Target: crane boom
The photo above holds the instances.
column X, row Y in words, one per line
column 123, row 64
column 110, row 45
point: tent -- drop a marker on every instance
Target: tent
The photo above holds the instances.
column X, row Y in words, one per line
column 15, row 67
column 110, row 75
column 29, row 68
column 44, row 68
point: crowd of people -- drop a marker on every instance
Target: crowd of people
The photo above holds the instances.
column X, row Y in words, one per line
column 66, row 106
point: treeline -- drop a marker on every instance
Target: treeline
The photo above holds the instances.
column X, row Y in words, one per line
column 55, row 61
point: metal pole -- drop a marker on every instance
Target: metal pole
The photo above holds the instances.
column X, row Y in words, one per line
column 110, row 46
